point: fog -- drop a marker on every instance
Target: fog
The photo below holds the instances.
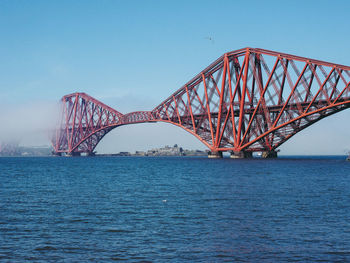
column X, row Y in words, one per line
column 28, row 124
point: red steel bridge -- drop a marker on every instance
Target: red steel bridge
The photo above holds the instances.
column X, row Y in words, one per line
column 248, row 100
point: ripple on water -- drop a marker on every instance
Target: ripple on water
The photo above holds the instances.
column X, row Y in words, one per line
column 174, row 209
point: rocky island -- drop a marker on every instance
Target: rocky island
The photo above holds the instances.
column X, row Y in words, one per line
column 164, row 151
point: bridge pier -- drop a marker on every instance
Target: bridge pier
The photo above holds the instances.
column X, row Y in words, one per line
column 215, row 154
column 269, row 154
column 241, row 155
column 91, row 154
column 73, row 154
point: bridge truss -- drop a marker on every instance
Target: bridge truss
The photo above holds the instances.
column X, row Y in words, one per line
column 246, row 101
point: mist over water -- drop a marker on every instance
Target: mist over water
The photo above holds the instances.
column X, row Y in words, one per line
column 28, row 124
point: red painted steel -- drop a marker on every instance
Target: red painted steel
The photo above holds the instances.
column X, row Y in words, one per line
column 247, row 100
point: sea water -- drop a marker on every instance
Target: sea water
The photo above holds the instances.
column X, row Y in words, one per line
column 178, row 209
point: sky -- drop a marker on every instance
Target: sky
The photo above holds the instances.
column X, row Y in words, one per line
column 132, row 55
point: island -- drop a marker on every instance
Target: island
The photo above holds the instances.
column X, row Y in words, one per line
column 163, row 151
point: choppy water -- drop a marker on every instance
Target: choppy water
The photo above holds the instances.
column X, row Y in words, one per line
column 174, row 209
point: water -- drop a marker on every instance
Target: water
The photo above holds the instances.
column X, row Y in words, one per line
column 174, row 209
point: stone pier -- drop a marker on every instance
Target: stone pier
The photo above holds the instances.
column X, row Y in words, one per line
column 241, row 155
column 269, row 154
column 215, row 154
column 73, row 154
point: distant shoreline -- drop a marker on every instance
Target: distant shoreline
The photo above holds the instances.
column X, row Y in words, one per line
column 280, row 157
column 166, row 151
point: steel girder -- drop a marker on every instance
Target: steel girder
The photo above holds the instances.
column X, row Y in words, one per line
column 84, row 121
column 247, row 100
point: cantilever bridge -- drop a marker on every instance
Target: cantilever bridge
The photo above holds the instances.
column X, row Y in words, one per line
column 247, row 100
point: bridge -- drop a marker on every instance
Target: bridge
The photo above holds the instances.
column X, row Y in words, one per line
column 248, row 100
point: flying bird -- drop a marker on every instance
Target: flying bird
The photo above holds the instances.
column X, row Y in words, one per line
column 210, row 39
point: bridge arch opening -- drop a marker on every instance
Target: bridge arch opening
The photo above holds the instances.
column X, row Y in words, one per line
column 147, row 136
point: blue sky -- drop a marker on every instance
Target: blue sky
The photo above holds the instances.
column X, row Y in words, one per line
column 133, row 54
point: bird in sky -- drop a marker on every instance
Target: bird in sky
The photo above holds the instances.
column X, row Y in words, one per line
column 210, row 39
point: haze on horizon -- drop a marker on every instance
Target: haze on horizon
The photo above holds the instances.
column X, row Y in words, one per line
column 131, row 55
